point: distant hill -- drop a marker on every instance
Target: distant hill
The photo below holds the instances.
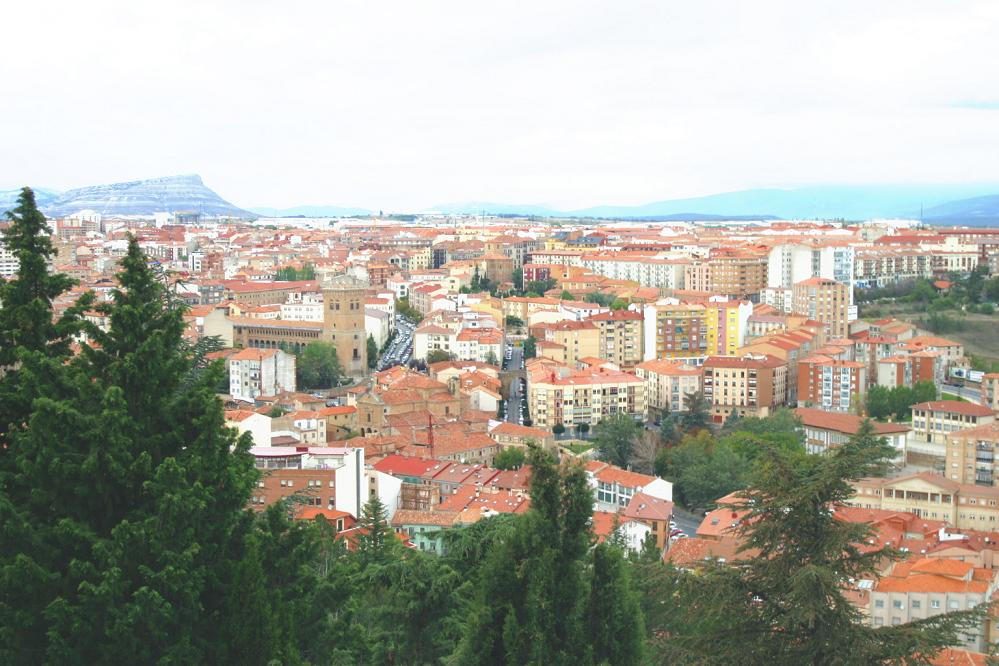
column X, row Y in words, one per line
column 851, row 202
column 43, row 197
column 310, row 211
column 977, row 211
column 145, row 197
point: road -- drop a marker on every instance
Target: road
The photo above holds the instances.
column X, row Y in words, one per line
column 966, row 392
column 686, row 521
column 516, row 396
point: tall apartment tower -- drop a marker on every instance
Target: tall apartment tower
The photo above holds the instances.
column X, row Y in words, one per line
column 824, row 300
column 343, row 322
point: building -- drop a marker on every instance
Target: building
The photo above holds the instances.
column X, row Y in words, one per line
column 827, row 301
column 254, row 372
column 925, row 587
column 931, row 496
column 826, row 430
column 751, row 385
column 972, row 454
column 831, row 384
column 652, row 511
column 990, row 391
column 667, row 385
column 343, row 322
column 558, row 395
column 790, row 263
column 511, row 434
column 933, row 421
column 621, row 337
column 616, row 487
column 575, row 340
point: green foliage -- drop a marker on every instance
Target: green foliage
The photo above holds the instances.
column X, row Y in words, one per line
column 514, row 321
column 512, row 457
column 372, row 352
column 530, row 347
column 491, row 358
column 558, row 429
column 696, row 416
column 517, row 277
column 404, row 309
column 613, row 622
column 882, row 402
column 318, row 366
column 538, row 287
column 438, row 355
column 787, row 605
column 615, row 437
column 123, row 510
column 291, row 274
column 566, row 295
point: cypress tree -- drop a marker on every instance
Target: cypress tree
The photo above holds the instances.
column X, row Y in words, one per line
column 614, row 626
column 135, row 492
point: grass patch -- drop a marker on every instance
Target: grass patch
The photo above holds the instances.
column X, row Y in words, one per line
column 579, row 449
column 951, row 396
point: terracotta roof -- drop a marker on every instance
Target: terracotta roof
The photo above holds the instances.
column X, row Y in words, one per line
column 954, row 406
column 623, row 477
column 647, row 507
column 434, row 518
column 843, row 422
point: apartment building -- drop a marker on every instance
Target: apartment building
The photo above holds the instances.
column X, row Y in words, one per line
column 739, row 273
column 667, row 385
column 621, row 337
column 751, row 385
column 575, row 339
column 990, row 391
column 558, row 395
column 825, row 300
column 790, row 263
column 484, row 345
column 254, row 372
column 644, row 268
column 615, row 487
column 925, row 587
column 972, row 453
column 933, row 421
column 830, row 384
column 931, row 496
column 675, row 329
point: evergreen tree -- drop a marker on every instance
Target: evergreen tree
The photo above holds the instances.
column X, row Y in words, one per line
column 318, row 366
column 531, row 601
column 731, row 421
column 376, row 542
column 786, row 603
column 696, row 416
column 372, row 352
column 614, row 626
column 615, row 438
column 27, row 323
column 133, row 491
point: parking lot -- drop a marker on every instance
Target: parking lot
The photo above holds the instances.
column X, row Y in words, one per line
column 400, row 350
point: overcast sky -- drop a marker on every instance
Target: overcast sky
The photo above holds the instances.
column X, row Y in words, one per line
column 400, row 105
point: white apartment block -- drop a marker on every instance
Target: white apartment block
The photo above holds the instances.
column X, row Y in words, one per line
column 255, row 372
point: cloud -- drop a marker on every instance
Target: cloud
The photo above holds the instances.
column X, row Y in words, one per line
column 403, row 105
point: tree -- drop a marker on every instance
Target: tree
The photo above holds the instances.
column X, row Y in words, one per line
column 731, row 421
column 26, row 319
column 517, row 277
column 512, row 457
column 130, row 495
column 491, row 358
column 376, row 542
column 530, row 347
column 513, row 321
column 558, row 429
column 615, row 437
column 438, row 355
column 786, row 603
column 703, row 469
column 530, row 605
column 697, row 415
column 319, row 366
column 583, row 428
column 566, row 295
column 372, row 352
column 614, row 624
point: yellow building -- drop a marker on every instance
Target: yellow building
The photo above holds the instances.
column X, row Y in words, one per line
column 579, row 339
column 693, row 329
column 558, row 395
column 933, row 497
column 971, row 454
column 621, row 337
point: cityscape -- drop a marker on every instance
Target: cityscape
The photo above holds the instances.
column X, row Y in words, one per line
column 751, row 422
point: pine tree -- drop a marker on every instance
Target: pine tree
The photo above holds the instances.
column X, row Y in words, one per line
column 376, row 542
column 786, row 603
column 134, row 490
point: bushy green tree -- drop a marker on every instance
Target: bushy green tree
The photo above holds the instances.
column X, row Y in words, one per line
column 319, row 366
column 615, row 437
column 512, row 457
column 614, row 625
column 530, row 347
column 372, row 351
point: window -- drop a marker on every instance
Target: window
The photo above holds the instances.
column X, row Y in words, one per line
column 880, row 603
column 896, row 621
column 935, row 604
column 953, row 604
column 878, row 621
column 897, row 603
column 916, row 604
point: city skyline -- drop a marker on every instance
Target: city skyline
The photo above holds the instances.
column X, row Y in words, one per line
column 413, row 108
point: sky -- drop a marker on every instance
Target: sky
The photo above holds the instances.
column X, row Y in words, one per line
column 407, row 105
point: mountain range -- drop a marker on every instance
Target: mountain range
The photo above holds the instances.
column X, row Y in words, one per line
column 976, row 204
column 170, row 194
